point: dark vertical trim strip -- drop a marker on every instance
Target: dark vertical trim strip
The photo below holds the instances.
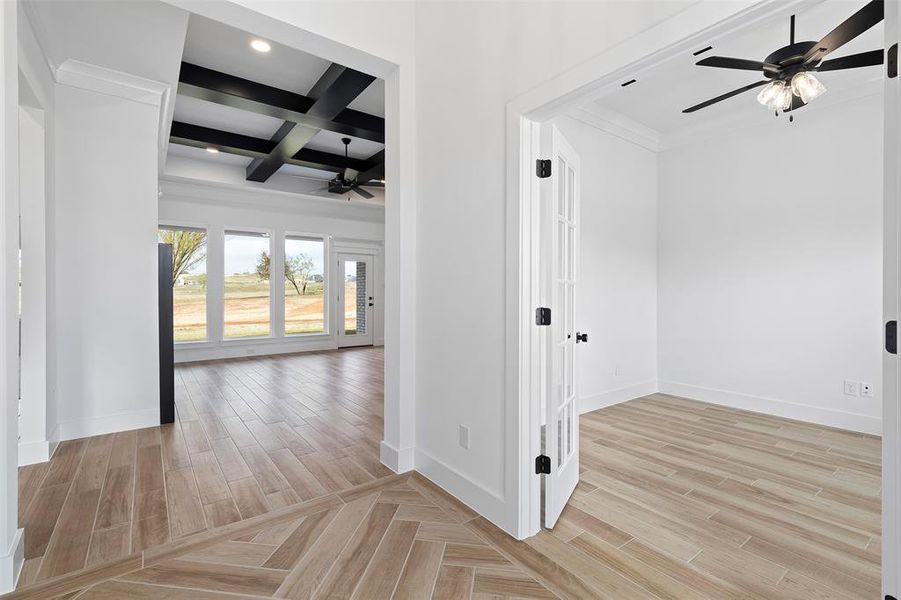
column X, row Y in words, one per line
column 167, row 342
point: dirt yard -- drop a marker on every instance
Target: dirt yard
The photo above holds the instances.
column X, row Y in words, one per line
column 247, row 308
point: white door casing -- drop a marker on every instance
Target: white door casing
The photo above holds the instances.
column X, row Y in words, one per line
column 891, row 373
column 560, row 229
column 360, row 268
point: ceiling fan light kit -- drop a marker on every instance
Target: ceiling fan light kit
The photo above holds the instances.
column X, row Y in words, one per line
column 789, row 71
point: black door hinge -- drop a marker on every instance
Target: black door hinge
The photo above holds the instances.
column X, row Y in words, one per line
column 542, row 316
column 892, row 61
column 543, row 168
column 891, row 337
column 542, row 465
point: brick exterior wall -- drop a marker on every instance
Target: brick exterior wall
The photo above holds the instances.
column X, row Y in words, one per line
column 362, row 298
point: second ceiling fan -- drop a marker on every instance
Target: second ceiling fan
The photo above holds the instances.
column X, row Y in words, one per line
column 790, row 81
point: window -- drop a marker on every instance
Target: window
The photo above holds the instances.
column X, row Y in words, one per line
column 304, row 285
column 247, row 284
column 188, row 281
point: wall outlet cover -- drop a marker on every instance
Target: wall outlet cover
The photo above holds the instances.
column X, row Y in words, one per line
column 464, row 437
column 851, row 388
column 866, row 389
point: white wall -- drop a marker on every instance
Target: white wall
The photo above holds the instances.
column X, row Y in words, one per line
column 11, row 539
column 105, row 228
column 38, row 428
column 616, row 297
column 217, row 207
column 770, row 266
column 472, row 58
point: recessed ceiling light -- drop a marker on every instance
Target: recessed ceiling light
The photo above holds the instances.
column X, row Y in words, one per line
column 212, row 149
column 260, row 45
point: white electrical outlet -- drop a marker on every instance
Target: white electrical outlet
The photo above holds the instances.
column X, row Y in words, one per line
column 851, row 388
column 617, row 371
column 464, row 437
column 866, row 389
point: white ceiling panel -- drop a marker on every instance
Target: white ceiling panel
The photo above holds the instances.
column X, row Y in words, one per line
column 217, row 116
column 660, row 94
column 201, row 154
column 372, row 100
column 222, row 48
column 329, row 141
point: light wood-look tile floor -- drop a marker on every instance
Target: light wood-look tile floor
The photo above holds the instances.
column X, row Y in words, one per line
column 251, row 436
column 677, row 499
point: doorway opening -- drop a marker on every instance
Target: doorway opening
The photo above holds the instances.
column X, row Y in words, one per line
column 703, row 410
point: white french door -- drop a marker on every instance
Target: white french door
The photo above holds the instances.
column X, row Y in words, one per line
column 560, row 244
column 891, row 373
column 356, row 299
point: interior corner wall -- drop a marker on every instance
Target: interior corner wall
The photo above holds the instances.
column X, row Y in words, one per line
column 770, row 266
column 616, row 295
column 105, row 263
column 36, row 99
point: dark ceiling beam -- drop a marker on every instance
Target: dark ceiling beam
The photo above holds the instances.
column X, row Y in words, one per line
column 197, row 136
column 334, row 90
column 221, row 88
column 376, row 171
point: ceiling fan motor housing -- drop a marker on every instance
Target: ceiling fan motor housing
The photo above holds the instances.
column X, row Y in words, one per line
column 791, row 59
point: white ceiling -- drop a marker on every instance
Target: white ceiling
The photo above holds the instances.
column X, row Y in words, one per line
column 216, row 46
column 660, row 94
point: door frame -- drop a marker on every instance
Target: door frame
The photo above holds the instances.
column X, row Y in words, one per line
column 340, row 305
column 701, row 22
column 375, row 250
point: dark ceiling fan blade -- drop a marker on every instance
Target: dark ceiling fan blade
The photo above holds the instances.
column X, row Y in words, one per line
column 853, row 61
column 725, row 96
column 852, row 27
column 362, row 192
column 724, row 62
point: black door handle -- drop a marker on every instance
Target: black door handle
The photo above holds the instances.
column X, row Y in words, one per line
column 582, row 337
column 370, row 304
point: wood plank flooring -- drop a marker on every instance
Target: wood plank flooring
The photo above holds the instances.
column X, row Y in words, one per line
column 677, row 499
column 252, row 435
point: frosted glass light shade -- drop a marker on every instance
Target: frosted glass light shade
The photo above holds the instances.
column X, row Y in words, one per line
column 775, row 96
column 807, row 86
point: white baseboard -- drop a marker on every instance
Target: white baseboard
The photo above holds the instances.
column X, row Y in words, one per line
column 779, row 408
column 34, row 452
column 11, row 562
column 125, row 421
column 399, row 461
column 479, row 498
column 191, row 352
column 609, row 398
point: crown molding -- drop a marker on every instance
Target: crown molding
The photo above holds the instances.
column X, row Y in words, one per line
column 94, row 78
column 186, row 189
column 617, row 124
column 98, row 79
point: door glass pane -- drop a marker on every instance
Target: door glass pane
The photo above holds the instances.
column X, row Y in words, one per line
column 568, row 372
column 570, row 192
column 356, row 297
column 561, row 187
column 188, row 281
column 559, row 440
column 561, row 250
column 304, row 285
column 247, row 284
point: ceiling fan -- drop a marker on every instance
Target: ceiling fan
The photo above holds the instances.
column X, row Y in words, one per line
column 790, row 81
column 347, row 181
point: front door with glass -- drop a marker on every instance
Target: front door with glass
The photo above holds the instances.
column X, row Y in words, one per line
column 355, row 299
